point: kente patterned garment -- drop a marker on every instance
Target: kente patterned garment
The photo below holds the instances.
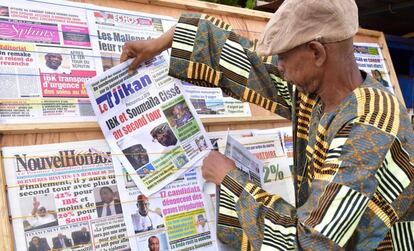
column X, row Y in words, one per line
column 353, row 167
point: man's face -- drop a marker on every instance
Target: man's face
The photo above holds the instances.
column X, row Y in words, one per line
column 41, row 211
column 201, row 221
column 154, row 244
column 166, row 137
column 178, row 112
column 143, row 207
column 53, row 60
column 35, row 240
column 107, row 196
column 139, row 155
column 60, row 236
column 296, row 67
column 376, row 75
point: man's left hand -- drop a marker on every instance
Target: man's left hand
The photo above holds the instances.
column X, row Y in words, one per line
column 216, row 166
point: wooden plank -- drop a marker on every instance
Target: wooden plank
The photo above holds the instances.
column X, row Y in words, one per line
column 390, row 67
column 6, row 234
column 207, row 7
column 94, row 127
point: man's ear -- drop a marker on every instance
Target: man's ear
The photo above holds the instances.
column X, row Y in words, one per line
column 319, row 52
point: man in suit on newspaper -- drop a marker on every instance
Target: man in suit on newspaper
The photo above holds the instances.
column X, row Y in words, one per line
column 81, row 237
column 108, row 205
column 61, row 241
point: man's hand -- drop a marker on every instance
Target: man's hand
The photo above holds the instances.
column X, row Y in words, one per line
column 143, row 50
column 216, row 166
column 36, row 203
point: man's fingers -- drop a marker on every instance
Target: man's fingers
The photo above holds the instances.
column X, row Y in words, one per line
column 127, row 53
column 134, row 65
column 124, row 56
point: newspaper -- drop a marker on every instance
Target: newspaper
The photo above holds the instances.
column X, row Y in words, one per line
column 277, row 175
column 369, row 58
column 211, row 103
column 148, row 123
column 284, row 133
column 58, row 194
column 111, row 28
column 48, row 49
column 245, row 161
column 45, row 58
column 175, row 218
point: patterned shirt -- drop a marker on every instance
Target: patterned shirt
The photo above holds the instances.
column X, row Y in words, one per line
column 353, row 167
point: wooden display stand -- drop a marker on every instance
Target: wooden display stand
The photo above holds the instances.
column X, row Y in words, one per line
column 248, row 23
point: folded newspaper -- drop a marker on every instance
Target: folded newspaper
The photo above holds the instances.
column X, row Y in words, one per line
column 245, row 161
column 148, row 122
column 64, row 196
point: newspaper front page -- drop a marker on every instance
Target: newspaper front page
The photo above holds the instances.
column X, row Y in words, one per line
column 111, row 28
column 175, row 218
column 64, row 196
column 148, row 123
column 369, row 59
column 45, row 58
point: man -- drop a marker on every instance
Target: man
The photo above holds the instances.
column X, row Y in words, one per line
column 61, row 241
column 153, row 243
column 164, row 135
column 145, row 220
column 53, row 64
column 202, row 225
column 108, row 205
column 81, row 237
column 353, row 149
column 137, row 155
column 182, row 115
column 40, row 217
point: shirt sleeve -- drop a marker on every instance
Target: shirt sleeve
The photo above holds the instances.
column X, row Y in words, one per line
column 206, row 52
column 350, row 205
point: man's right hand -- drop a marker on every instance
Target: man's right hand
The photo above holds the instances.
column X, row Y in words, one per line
column 36, row 203
column 143, row 50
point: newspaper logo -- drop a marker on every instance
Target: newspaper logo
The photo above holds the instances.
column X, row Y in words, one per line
column 64, row 158
column 113, row 97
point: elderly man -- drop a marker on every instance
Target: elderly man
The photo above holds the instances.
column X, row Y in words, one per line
column 353, row 167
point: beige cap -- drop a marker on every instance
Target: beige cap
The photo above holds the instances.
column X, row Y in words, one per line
column 300, row 21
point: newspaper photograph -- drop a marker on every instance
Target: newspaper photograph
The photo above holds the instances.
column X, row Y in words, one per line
column 369, row 59
column 64, row 196
column 148, row 122
column 111, row 28
column 46, row 57
column 175, row 218
column 212, row 103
